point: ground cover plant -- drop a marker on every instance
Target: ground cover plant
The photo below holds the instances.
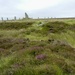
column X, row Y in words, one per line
column 37, row 48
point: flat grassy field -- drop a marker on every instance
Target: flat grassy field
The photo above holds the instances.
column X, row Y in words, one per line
column 38, row 47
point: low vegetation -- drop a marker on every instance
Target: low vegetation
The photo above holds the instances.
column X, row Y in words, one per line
column 37, row 48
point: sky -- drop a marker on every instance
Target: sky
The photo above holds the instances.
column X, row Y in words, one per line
column 37, row 8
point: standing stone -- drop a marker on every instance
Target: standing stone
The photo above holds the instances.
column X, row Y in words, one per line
column 26, row 16
column 2, row 18
column 38, row 17
column 15, row 18
column 7, row 19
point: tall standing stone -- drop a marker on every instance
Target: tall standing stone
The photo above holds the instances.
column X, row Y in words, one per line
column 26, row 16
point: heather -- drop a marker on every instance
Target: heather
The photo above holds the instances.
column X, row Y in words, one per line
column 38, row 47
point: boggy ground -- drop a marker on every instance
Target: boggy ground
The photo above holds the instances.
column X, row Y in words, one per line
column 37, row 48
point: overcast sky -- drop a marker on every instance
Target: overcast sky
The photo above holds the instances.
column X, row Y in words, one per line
column 37, row 8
